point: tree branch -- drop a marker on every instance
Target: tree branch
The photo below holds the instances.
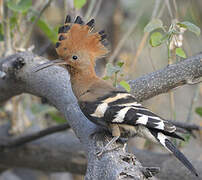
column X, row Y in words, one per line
column 166, row 79
column 19, row 141
column 59, row 152
column 53, row 83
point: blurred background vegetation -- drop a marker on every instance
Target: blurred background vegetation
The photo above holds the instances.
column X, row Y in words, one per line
column 144, row 36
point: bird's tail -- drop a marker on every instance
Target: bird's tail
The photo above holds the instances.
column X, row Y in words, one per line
column 162, row 139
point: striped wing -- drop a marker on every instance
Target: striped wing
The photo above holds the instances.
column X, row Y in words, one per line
column 122, row 108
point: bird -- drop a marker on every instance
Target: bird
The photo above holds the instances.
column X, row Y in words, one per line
column 117, row 111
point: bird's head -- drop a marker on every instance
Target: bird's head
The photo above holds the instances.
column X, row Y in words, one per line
column 78, row 47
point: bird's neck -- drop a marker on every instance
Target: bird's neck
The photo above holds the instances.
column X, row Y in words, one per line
column 81, row 81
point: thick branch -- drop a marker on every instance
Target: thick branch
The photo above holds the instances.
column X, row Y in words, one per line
column 58, row 152
column 53, row 83
column 19, row 141
column 172, row 76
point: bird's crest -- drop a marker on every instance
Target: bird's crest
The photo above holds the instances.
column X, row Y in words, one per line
column 77, row 36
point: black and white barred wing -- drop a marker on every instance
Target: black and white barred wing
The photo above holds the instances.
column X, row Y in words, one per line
column 122, row 108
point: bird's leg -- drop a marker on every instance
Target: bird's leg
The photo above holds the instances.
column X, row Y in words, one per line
column 124, row 147
column 115, row 133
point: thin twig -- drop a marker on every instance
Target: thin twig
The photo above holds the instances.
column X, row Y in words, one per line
column 187, row 126
column 31, row 28
column 124, row 38
column 194, row 99
column 90, row 9
column 176, row 9
column 97, row 8
column 150, row 58
column 156, row 8
column 140, row 48
column 171, row 58
column 7, row 34
column 161, row 11
column 169, row 8
column 13, row 143
column 172, row 105
column 146, row 34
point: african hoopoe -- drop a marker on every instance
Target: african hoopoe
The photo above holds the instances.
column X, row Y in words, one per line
column 103, row 104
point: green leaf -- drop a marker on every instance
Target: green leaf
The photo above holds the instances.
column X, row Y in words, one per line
column 166, row 37
column 19, row 6
column 153, row 25
column 79, row 3
column 57, row 118
column 105, row 77
column 180, row 52
column 191, row 27
column 125, row 85
column 48, row 31
column 1, row 33
column 120, row 64
column 198, row 110
column 155, row 39
column 13, row 22
column 112, row 69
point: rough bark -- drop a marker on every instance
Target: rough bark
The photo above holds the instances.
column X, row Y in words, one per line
column 53, row 84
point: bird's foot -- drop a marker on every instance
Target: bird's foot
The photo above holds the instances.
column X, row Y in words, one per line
column 106, row 148
column 150, row 171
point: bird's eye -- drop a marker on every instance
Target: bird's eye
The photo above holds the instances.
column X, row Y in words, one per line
column 74, row 57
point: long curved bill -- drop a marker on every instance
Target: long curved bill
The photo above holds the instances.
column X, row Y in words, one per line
column 48, row 64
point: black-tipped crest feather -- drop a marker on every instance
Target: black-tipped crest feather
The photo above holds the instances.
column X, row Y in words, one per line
column 91, row 23
column 61, row 37
column 101, row 32
column 78, row 20
column 63, row 29
column 68, row 19
column 57, row 44
column 103, row 37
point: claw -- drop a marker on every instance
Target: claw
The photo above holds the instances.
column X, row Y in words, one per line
column 106, row 148
column 99, row 153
